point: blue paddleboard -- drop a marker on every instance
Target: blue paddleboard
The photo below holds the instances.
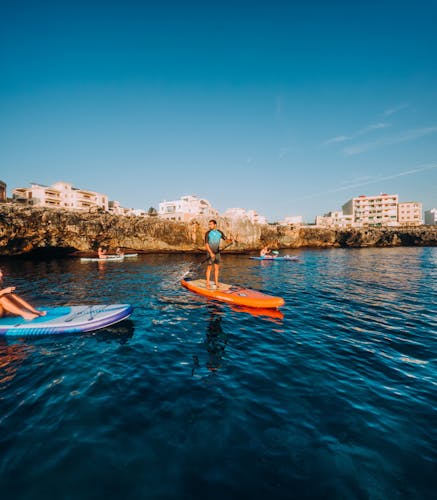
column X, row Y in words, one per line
column 72, row 319
column 284, row 257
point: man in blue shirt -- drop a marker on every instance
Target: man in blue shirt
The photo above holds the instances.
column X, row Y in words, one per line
column 213, row 238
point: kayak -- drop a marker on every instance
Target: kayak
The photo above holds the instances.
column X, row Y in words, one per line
column 67, row 319
column 283, row 257
column 127, row 255
column 109, row 258
column 232, row 294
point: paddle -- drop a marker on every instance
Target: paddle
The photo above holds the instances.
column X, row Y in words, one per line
column 196, row 266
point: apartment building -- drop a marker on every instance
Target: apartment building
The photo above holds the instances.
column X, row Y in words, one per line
column 2, row 192
column 60, row 195
column 410, row 213
column 336, row 219
column 380, row 210
column 186, row 208
column 431, row 216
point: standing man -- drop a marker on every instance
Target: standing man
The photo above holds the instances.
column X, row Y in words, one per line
column 212, row 244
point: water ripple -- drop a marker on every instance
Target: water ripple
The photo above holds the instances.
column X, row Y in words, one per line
column 335, row 398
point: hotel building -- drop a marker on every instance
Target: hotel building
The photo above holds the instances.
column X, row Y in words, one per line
column 2, row 192
column 381, row 210
column 186, row 208
column 431, row 216
column 410, row 213
column 60, row 195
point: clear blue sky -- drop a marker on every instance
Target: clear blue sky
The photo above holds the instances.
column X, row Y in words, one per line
column 286, row 107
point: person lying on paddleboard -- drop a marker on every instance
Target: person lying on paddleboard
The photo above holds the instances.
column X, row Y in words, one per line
column 213, row 238
column 12, row 304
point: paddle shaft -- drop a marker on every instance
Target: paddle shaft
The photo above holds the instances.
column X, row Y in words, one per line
column 218, row 251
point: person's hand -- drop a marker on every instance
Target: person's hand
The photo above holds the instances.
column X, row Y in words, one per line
column 10, row 289
column 212, row 256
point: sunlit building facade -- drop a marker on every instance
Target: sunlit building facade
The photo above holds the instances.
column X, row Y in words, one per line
column 243, row 214
column 60, row 195
column 410, row 213
column 291, row 220
column 336, row 219
column 380, row 210
column 186, row 208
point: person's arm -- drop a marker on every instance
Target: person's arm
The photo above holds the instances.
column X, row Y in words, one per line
column 226, row 240
column 5, row 291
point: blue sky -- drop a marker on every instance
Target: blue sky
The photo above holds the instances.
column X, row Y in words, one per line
column 285, row 107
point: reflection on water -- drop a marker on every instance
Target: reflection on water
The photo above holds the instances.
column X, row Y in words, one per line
column 215, row 341
column 11, row 357
column 120, row 332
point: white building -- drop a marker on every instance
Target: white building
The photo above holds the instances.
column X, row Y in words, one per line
column 186, row 208
column 60, row 195
column 380, row 210
column 291, row 220
column 243, row 214
column 335, row 219
column 431, row 216
column 410, row 213
column 114, row 207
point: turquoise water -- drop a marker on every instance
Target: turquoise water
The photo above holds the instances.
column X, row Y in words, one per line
column 190, row 398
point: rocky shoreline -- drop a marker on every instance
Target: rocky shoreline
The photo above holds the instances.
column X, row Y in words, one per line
column 26, row 230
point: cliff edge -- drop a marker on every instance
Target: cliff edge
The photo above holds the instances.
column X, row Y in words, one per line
column 44, row 230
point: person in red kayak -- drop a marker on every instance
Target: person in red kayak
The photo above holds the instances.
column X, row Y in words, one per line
column 213, row 238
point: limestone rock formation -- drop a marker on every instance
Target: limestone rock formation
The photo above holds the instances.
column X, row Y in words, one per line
column 44, row 230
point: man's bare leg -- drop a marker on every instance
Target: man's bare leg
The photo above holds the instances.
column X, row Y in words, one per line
column 208, row 275
column 216, row 275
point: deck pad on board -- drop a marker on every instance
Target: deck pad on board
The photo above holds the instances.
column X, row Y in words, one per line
column 234, row 294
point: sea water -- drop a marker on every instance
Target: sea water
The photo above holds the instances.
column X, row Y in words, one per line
column 335, row 397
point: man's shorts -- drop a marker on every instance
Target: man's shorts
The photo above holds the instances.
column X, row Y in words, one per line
column 210, row 262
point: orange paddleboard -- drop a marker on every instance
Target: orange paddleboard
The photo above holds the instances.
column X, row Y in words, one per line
column 234, row 294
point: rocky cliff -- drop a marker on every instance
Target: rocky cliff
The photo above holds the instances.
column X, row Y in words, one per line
column 42, row 230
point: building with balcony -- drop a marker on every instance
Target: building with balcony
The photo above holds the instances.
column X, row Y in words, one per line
column 2, row 192
column 431, row 216
column 60, row 195
column 380, row 210
column 335, row 219
column 243, row 214
column 410, row 213
column 186, row 208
